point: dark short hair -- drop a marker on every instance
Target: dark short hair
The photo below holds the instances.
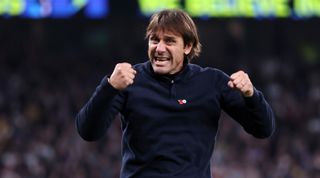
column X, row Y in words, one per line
column 176, row 21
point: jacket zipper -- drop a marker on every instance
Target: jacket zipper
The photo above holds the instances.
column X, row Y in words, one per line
column 172, row 89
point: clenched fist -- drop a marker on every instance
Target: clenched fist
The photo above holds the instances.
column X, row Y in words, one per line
column 241, row 81
column 122, row 76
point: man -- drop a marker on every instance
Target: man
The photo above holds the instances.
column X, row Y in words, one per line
column 170, row 108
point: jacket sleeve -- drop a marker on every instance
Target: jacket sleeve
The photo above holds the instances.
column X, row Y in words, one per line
column 98, row 113
column 253, row 113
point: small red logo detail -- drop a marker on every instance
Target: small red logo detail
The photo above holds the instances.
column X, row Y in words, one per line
column 182, row 101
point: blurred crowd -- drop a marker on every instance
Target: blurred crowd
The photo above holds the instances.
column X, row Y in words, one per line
column 48, row 70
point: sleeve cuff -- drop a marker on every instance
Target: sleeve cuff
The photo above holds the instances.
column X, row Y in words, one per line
column 254, row 100
column 106, row 86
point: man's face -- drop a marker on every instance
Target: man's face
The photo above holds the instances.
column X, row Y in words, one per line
column 166, row 52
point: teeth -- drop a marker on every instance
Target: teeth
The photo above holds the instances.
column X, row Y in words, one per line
column 161, row 59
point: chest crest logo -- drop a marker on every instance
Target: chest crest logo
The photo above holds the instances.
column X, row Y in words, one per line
column 182, row 101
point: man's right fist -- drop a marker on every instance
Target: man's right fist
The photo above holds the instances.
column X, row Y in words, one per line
column 122, row 76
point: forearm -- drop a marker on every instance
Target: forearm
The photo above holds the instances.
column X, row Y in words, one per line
column 97, row 114
column 253, row 113
column 261, row 121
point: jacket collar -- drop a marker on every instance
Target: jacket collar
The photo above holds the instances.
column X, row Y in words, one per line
column 182, row 74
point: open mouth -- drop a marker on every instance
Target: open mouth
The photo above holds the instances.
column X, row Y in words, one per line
column 161, row 59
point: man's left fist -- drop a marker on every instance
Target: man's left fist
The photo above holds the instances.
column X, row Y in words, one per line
column 241, row 81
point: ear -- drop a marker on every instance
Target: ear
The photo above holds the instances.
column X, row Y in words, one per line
column 187, row 49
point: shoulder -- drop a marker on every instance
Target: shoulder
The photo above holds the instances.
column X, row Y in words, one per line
column 140, row 66
column 208, row 71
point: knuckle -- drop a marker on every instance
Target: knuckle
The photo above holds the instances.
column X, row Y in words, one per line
column 129, row 82
column 126, row 64
column 119, row 68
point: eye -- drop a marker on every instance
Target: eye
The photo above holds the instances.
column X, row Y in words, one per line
column 170, row 41
column 153, row 40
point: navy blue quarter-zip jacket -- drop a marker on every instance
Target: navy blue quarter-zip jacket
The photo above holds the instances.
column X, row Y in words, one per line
column 169, row 125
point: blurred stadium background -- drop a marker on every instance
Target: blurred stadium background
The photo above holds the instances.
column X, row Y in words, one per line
column 53, row 53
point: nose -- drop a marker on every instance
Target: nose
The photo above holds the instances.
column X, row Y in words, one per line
column 161, row 47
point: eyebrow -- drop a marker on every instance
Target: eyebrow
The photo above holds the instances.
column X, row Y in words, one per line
column 170, row 36
column 165, row 36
